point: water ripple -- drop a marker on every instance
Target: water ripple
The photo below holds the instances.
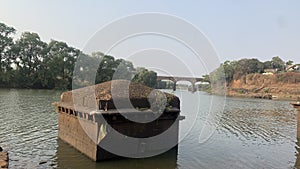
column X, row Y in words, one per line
column 261, row 120
column 29, row 127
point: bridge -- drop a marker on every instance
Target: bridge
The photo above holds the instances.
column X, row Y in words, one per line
column 175, row 79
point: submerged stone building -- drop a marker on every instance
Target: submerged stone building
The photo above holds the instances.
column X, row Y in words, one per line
column 119, row 119
column 296, row 105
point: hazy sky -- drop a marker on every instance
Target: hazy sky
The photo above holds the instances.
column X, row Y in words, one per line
column 237, row 29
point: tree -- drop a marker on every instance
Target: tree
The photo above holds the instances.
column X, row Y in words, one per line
column 268, row 65
column 85, row 71
column 6, row 43
column 289, row 63
column 106, row 68
column 254, row 66
column 217, row 76
column 124, row 69
column 145, row 77
column 229, row 70
column 161, row 84
column 278, row 63
column 59, row 65
column 206, row 78
column 31, row 63
column 236, row 69
column 28, row 54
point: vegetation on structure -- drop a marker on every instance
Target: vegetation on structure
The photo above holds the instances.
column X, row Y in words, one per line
column 28, row 62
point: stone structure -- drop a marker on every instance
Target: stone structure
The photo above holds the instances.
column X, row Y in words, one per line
column 297, row 106
column 175, row 79
column 92, row 122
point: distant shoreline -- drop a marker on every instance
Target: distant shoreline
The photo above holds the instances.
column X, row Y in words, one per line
column 280, row 98
column 283, row 86
column 14, row 88
column 229, row 93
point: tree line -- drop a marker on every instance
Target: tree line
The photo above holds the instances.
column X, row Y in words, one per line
column 233, row 70
column 28, row 62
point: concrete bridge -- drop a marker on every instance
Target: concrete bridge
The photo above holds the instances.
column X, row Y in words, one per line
column 175, row 79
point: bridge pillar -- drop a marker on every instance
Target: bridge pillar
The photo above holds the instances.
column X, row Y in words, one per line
column 174, row 85
column 193, row 87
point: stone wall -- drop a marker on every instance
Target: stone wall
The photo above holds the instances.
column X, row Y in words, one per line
column 84, row 131
column 145, row 143
column 79, row 133
column 298, row 122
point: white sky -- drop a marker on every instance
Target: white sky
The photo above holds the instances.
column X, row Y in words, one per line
column 237, row 29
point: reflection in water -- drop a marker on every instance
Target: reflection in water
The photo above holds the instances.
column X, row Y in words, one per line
column 68, row 157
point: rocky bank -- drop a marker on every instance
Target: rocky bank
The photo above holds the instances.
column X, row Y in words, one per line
column 285, row 86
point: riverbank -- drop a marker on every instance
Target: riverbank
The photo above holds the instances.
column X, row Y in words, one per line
column 283, row 86
column 3, row 159
column 268, row 96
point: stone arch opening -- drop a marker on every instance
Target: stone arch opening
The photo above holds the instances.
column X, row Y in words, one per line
column 183, row 85
column 165, row 84
column 202, row 86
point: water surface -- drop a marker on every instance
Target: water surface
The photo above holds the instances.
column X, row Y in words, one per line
column 245, row 133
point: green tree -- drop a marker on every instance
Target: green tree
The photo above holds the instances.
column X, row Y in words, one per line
column 145, row 77
column 59, row 65
column 206, row 78
column 124, row 69
column 268, row 65
column 217, row 76
column 6, row 44
column 161, row 84
column 278, row 63
column 31, row 63
column 289, row 62
column 106, row 67
column 229, row 69
column 86, row 69
column 29, row 53
column 236, row 69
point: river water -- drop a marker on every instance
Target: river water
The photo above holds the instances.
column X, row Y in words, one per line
column 218, row 132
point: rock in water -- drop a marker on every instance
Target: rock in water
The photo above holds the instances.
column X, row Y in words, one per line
column 1, row 149
column 42, row 162
column 3, row 164
column 3, row 159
